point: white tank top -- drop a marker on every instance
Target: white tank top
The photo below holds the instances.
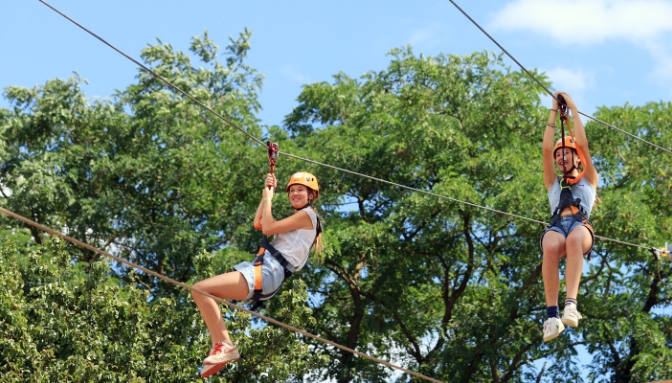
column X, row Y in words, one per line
column 295, row 245
column 581, row 189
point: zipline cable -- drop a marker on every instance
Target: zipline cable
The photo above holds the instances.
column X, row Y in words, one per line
column 231, row 305
column 190, row 288
column 157, row 75
column 169, row 84
column 551, row 93
column 449, row 198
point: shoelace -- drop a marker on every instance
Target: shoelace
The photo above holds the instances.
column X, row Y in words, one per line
column 219, row 348
column 223, row 348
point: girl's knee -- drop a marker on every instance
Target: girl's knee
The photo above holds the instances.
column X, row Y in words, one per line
column 553, row 244
column 552, row 249
column 198, row 286
column 578, row 238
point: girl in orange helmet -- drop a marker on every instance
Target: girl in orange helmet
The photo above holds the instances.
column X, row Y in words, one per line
column 572, row 197
column 294, row 236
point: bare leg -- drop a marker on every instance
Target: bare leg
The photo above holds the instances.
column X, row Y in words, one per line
column 578, row 243
column 554, row 249
column 227, row 286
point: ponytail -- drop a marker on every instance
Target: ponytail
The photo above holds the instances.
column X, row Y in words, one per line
column 319, row 246
column 317, row 243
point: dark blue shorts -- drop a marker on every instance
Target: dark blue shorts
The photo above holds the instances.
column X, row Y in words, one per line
column 565, row 226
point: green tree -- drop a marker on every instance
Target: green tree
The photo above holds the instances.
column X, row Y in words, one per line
column 64, row 321
column 147, row 171
column 445, row 289
column 452, row 291
column 631, row 338
column 155, row 179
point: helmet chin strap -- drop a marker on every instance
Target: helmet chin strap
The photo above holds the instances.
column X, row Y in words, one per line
column 310, row 203
column 564, row 160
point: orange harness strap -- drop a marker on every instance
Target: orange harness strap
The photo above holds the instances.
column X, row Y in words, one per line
column 258, row 262
column 565, row 119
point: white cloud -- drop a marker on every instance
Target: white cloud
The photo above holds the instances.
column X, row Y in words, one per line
column 572, row 80
column 644, row 23
column 587, row 21
column 662, row 55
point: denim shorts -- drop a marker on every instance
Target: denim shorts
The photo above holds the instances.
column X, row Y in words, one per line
column 272, row 275
column 564, row 227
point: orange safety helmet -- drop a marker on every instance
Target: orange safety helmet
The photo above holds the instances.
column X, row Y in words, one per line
column 306, row 179
column 570, row 142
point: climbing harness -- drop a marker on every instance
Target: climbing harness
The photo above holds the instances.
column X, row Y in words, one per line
column 302, row 178
column 259, row 262
column 567, row 199
column 566, row 182
column 273, row 150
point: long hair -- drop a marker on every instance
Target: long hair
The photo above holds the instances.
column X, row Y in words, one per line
column 317, row 243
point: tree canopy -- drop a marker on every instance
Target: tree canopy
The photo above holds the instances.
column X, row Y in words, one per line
column 439, row 287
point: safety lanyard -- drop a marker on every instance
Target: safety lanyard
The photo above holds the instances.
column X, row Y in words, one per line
column 273, row 150
column 564, row 118
column 562, row 108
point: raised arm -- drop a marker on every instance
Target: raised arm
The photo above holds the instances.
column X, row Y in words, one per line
column 582, row 141
column 269, row 182
column 547, row 146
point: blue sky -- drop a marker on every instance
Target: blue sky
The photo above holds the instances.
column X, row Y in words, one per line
column 602, row 52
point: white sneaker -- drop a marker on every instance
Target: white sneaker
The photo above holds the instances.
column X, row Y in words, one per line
column 222, row 354
column 552, row 328
column 571, row 316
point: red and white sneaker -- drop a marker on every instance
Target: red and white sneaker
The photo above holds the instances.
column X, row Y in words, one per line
column 218, row 358
column 204, row 371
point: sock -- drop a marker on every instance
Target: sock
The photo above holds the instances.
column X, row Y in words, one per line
column 571, row 301
column 553, row 312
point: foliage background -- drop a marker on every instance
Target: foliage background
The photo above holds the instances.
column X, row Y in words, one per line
column 444, row 289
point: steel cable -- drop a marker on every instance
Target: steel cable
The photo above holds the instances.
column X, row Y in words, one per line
column 190, row 288
column 168, row 83
column 231, row 305
column 547, row 90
